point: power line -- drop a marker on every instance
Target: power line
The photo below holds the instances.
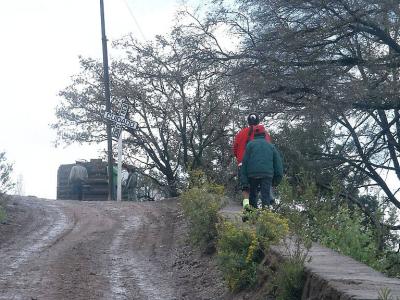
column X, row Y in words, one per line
column 135, row 20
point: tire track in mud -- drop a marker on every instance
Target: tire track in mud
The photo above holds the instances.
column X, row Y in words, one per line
column 97, row 250
column 136, row 271
column 49, row 223
column 54, row 224
column 78, row 261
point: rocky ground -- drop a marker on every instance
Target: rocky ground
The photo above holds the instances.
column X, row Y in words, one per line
column 101, row 250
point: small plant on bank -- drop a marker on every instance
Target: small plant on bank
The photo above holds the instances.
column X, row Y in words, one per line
column 2, row 215
column 238, row 255
column 6, row 168
column 347, row 234
column 201, row 203
column 289, row 280
column 270, row 227
column 5, row 182
column 329, row 220
column 386, row 294
column 242, row 247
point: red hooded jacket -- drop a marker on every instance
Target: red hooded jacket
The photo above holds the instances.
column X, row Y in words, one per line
column 243, row 137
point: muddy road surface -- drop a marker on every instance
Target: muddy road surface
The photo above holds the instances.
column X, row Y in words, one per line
column 101, row 250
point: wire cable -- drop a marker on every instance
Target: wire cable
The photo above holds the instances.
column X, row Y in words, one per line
column 135, row 20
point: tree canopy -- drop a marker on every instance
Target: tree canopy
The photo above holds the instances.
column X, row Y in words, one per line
column 332, row 64
column 184, row 108
column 324, row 72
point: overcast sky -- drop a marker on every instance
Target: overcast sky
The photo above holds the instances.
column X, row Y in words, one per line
column 40, row 44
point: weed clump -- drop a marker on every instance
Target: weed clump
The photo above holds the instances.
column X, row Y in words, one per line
column 2, row 214
column 238, row 257
column 201, row 203
column 330, row 220
column 386, row 294
column 242, row 247
column 290, row 280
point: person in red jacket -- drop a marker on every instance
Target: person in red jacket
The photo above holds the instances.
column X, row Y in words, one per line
column 239, row 145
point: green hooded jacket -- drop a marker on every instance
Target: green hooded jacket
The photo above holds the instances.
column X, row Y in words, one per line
column 261, row 159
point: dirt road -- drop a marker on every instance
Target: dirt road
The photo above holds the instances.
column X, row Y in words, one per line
column 101, row 250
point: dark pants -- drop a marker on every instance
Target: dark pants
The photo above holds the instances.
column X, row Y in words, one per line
column 264, row 186
column 77, row 190
column 239, row 174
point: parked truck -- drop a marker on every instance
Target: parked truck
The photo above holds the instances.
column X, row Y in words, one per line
column 96, row 187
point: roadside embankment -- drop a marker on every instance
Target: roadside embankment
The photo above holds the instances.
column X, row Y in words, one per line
column 330, row 275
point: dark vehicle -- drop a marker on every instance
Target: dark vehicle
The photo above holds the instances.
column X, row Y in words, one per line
column 96, row 187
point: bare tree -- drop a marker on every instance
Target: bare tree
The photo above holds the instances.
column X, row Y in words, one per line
column 183, row 106
column 19, row 186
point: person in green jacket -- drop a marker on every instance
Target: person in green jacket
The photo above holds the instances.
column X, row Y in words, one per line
column 261, row 168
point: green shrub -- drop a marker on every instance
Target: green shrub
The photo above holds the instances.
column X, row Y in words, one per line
column 197, row 178
column 6, row 168
column 294, row 210
column 346, row 233
column 238, row 255
column 241, row 247
column 289, row 280
column 386, row 294
column 327, row 219
column 6, row 184
column 391, row 263
column 2, row 214
column 270, row 228
column 201, row 203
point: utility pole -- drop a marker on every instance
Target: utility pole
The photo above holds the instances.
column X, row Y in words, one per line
column 108, row 101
